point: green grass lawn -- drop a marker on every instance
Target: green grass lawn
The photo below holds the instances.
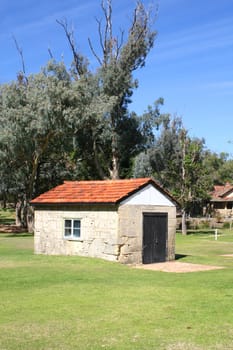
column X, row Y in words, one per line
column 63, row 303
column 7, row 216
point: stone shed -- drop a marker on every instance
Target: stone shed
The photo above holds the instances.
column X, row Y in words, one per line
column 131, row 221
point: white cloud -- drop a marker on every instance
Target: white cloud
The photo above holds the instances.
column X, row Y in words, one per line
column 46, row 21
column 220, row 85
column 196, row 40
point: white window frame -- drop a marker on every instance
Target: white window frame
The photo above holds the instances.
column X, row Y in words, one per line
column 72, row 228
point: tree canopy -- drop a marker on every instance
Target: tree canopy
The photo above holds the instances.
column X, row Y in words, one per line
column 74, row 123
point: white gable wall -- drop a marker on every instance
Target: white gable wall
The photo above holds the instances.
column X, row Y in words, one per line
column 149, row 195
column 230, row 195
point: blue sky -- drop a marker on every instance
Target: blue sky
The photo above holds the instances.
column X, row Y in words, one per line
column 190, row 66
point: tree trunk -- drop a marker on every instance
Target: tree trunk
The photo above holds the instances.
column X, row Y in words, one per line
column 24, row 215
column 97, row 163
column 30, row 219
column 18, row 212
column 25, row 209
column 4, row 200
column 183, row 225
column 114, row 172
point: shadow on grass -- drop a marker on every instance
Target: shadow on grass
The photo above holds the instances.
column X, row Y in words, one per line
column 180, row 256
column 5, row 221
column 199, row 231
column 20, row 234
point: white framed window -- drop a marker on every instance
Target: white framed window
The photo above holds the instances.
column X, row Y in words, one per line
column 72, row 228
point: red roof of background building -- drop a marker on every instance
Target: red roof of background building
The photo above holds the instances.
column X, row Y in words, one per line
column 102, row 191
column 221, row 192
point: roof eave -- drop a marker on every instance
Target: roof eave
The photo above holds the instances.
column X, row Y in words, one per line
column 221, row 200
column 37, row 204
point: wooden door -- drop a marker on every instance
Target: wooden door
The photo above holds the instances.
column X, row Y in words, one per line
column 154, row 237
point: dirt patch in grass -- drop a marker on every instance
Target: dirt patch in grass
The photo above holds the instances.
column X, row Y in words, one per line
column 178, row 267
column 228, row 255
column 11, row 229
column 12, row 264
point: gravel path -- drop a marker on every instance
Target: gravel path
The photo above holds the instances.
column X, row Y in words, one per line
column 178, row 267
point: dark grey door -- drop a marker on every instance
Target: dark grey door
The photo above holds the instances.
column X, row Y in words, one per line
column 154, row 237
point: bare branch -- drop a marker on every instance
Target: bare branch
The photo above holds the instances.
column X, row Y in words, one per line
column 50, row 53
column 106, row 27
column 107, row 10
column 20, row 51
column 93, row 51
column 108, row 38
column 110, row 46
column 100, row 34
column 119, row 45
column 78, row 60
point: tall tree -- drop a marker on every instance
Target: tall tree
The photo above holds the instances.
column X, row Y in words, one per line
column 220, row 167
column 193, row 175
column 34, row 116
column 120, row 57
column 176, row 160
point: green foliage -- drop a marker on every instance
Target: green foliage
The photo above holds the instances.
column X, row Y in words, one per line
column 120, row 58
column 142, row 166
column 37, row 117
column 225, row 172
column 7, row 216
column 219, row 167
column 176, row 161
column 74, row 123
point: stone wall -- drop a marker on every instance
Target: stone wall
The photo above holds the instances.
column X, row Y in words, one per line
column 98, row 232
column 131, row 232
column 105, row 233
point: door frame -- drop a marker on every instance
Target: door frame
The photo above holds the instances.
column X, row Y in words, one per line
column 164, row 214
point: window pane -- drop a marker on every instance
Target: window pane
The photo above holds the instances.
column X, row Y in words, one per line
column 76, row 228
column 67, row 231
column 76, row 223
column 76, row 232
column 68, row 225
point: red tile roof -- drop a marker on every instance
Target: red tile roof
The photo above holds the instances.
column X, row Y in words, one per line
column 220, row 193
column 84, row 192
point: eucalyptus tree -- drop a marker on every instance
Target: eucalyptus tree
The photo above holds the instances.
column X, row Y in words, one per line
column 194, row 181
column 75, row 123
column 220, row 167
column 225, row 173
column 177, row 161
column 119, row 57
column 34, row 116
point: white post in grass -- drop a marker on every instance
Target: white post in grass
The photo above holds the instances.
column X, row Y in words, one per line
column 216, row 234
